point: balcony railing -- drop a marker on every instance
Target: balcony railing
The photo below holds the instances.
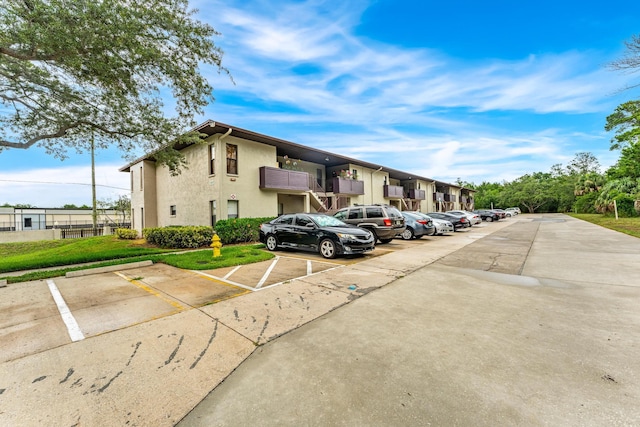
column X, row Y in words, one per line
column 417, row 194
column 444, row 197
column 282, row 179
column 347, row 186
column 393, row 191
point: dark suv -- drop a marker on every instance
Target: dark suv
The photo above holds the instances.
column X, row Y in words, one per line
column 384, row 221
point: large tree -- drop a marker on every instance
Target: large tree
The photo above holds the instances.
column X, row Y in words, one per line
column 73, row 69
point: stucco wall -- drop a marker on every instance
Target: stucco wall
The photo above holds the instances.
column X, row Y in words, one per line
column 194, row 189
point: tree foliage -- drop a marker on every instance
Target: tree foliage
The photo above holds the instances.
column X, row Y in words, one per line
column 562, row 189
column 70, row 69
column 624, row 191
column 625, row 121
column 628, row 165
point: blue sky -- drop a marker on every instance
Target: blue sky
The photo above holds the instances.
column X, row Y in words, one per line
column 482, row 91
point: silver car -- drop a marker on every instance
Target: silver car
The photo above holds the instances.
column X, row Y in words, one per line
column 442, row 225
column 473, row 218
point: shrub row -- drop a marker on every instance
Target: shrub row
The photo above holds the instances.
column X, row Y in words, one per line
column 240, row 230
column 126, row 233
column 179, row 236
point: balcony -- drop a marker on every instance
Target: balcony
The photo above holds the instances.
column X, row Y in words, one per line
column 281, row 179
column 347, row 186
column 417, row 195
column 444, row 197
column 393, row 191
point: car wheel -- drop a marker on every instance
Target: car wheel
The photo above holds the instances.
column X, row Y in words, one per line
column 328, row 248
column 272, row 242
column 407, row 234
column 385, row 240
column 489, row 219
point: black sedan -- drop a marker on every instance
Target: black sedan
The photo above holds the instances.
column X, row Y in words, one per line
column 487, row 215
column 317, row 233
column 458, row 221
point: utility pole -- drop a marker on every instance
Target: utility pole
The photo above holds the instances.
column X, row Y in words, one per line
column 93, row 184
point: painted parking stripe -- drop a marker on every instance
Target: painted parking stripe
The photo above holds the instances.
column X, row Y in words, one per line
column 309, row 268
column 72, row 326
column 222, row 281
column 231, row 272
column 267, row 273
column 150, row 290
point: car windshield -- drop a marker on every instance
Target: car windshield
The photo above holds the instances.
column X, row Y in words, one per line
column 328, row 221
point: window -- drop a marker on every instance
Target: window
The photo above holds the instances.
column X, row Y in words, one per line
column 212, row 211
column 141, row 178
column 355, row 213
column 172, row 210
column 354, row 174
column 341, row 215
column 375, row 213
column 212, row 159
column 232, row 209
column 27, row 223
column 285, row 219
column 303, row 221
column 232, row 159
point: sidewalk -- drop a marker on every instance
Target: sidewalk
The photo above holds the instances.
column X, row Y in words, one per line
column 553, row 342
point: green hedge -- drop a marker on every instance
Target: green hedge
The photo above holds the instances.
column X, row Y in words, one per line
column 240, row 230
column 126, row 233
column 179, row 236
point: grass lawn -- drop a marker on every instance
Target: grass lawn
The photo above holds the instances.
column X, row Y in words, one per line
column 630, row 226
column 54, row 253
column 112, row 251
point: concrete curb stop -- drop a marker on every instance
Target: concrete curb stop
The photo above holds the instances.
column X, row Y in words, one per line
column 108, row 269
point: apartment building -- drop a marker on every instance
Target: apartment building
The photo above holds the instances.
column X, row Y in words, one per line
column 239, row 173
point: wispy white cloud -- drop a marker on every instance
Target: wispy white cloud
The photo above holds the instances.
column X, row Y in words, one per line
column 303, row 70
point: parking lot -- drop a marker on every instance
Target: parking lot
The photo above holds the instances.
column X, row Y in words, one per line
column 177, row 334
column 40, row 315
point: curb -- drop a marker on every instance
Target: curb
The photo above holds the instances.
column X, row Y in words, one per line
column 108, row 269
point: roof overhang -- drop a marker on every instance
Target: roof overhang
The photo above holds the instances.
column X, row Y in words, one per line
column 292, row 150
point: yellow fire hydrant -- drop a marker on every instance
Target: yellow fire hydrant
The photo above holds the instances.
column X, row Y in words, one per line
column 216, row 244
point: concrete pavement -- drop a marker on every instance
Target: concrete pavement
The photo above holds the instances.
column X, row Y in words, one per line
column 530, row 321
column 537, row 323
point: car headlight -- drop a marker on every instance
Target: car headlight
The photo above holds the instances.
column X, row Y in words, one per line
column 347, row 236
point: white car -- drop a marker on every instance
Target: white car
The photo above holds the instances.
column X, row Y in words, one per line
column 474, row 218
column 442, row 226
column 514, row 211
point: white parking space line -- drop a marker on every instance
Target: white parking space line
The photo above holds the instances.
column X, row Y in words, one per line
column 223, row 281
column 231, row 272
column 72, row 326
column 267, row 273
column 309, row 268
